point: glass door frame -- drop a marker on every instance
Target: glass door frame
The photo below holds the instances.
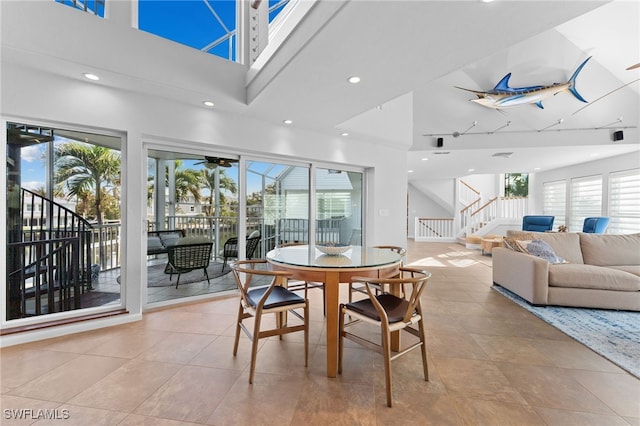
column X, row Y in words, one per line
column 69, row 315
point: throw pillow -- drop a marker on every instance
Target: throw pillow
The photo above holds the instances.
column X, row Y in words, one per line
column 511, row 244
column 543, row 250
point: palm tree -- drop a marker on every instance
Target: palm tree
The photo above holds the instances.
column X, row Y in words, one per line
column 225, row 182
column 84, row 168
column 187, row 181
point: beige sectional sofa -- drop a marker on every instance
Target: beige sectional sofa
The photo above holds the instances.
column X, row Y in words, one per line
column 599, row 270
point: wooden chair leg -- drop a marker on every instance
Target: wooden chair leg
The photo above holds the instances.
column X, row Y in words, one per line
column 386, row 352
column 306, row 334
column 425, row 366
column 340, row 339
column 254, row 347
column 235, row 344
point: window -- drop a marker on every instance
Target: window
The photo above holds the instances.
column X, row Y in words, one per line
column 95, row 7
column 516, row 184
column 555, row 201
column 207, row 25
column 586, row 200
column 624, row 202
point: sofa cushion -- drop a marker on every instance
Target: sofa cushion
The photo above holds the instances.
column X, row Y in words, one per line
column 632, row 269
column 522, row 235
column 610, row 249
column 154, row 243
column 540, row 249
column 195, row 239
column 565, row 244
column 589, row 276
column 170, row 238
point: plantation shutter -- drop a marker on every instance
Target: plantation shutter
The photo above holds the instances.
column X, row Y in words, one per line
column 624, row 202
column 586, row 200
column 555, row 201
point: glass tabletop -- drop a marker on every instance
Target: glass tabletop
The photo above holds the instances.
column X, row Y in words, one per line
column 355, row 257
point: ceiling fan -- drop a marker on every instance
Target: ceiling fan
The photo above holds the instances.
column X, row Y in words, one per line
column 213, row 162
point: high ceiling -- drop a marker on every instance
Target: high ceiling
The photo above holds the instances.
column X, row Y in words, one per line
column 410, row 55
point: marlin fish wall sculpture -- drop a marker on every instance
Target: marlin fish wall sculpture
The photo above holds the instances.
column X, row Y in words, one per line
column 503, row 96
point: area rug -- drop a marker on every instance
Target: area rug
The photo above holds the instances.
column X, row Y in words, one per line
column 157, row 278
column 613, row 334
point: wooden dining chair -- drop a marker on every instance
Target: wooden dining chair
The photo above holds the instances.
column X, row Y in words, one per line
column 360, row 288
column 391, row 313
column 305, row 285
column 256, row 301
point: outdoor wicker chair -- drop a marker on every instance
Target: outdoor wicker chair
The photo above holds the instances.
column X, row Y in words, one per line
column 189, row 257
column 230, row 249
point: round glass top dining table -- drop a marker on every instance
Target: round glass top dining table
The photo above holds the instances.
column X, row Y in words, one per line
column 355, row 257
column 307, row 263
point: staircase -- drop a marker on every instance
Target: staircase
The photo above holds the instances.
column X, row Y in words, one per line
column 474, row 218
column 49, row 252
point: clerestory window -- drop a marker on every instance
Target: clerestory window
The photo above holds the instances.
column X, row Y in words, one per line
column 207, row 25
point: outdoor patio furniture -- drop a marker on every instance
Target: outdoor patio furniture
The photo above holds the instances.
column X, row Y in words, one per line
column 189, row 257
column 159, row 241
column 230, row 250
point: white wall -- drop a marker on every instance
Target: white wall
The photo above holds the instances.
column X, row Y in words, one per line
column 421, row 205
column 488, row 185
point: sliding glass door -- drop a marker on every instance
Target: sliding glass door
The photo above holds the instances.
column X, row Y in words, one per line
column 191, row 200
column 277, row 204
column 63, row 228
column 339, row 206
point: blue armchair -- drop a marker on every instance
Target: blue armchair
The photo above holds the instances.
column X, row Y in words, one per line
column 595, row 225
column 537, row 223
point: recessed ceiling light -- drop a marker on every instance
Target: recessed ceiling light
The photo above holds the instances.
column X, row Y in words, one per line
column 344, row 134
column 287, row 121
column 410, row 171
column 502, row 154
column 425, row 159
column 536, row 168
column 90, row 76
column 471, row 170
column 354, row 79
column 208, row 103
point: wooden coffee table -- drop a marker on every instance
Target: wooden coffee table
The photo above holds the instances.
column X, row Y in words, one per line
column 488, row 244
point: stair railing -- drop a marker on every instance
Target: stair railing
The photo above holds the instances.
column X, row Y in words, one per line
column 46, row 236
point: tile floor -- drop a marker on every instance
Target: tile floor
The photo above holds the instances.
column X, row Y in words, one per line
column 491, row 363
